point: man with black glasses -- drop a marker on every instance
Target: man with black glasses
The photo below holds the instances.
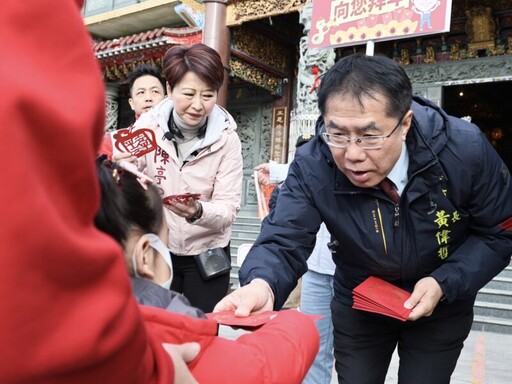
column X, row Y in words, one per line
column 410, row 195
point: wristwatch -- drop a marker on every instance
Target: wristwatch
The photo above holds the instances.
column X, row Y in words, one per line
column 198, row 213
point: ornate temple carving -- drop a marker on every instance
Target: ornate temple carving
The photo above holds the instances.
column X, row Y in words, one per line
column 462, row 71
column 480, row 25
column 111, row 107
column 240, row 11
column 260, row 47
column 254, row 130
column 311, row 60
column 480, row 29
column 312, row 64
column 256, row 76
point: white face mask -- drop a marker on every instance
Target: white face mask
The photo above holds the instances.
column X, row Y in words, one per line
column 157, row 245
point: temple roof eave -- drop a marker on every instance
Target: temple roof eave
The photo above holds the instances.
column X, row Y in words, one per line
column 118, row 57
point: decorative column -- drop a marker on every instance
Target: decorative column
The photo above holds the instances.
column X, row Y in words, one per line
column 111, row 107
column 216, row 35
column 312, row 64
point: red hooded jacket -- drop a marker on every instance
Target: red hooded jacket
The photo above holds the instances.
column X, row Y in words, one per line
column 67, row 314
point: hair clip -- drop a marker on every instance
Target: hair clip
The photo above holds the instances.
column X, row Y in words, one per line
column 132, row 168
column 116, row 175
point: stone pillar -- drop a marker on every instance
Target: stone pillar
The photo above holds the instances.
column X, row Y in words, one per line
column 216, row 35
column 312, row 63
column 111, row 107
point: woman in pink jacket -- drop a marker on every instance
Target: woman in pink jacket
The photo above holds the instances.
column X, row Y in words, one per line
column 197, row 151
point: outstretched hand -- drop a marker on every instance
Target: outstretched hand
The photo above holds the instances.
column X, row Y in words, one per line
column 253, row 298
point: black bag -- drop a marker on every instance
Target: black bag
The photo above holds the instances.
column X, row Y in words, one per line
column 212, row 263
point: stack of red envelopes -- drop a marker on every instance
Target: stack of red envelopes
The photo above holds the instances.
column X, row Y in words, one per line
column 379, row 296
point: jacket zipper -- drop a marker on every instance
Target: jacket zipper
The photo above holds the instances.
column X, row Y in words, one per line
column 384, row 240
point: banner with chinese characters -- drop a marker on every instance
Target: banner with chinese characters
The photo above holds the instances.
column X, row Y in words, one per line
column 337, row 23
column 279, row 143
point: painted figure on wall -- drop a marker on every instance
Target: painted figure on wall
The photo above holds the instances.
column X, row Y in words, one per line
column 424, row 8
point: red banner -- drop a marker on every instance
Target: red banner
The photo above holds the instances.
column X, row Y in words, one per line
column 337, row 23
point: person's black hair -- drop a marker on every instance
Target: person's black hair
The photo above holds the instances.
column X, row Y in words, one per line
column 144, row 70
column 358, row 76
column 125, row 205
column 108, row 219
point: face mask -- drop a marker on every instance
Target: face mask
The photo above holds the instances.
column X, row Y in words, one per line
column 157, row 245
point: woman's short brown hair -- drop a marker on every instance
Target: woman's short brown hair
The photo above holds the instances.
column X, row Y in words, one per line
column 200, row 59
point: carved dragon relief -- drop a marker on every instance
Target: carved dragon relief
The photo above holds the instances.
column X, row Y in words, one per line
column 461, row 70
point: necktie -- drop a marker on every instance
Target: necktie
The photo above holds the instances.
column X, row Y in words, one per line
column 388, row 189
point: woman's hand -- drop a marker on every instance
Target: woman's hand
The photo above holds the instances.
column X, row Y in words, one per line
column 187, row 211
column 125, row 156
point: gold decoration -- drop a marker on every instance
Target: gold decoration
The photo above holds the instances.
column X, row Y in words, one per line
column 405, row 59
column 481, row 30
column 240, row 11
column 260, row 47
column 454, row 51
column 194, row 5
column 255, row 76
column 499, row 50
column 430, row 55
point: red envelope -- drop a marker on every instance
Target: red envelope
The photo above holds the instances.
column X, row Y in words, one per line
column 183, row 199
column 379, row 296
column 251, row 321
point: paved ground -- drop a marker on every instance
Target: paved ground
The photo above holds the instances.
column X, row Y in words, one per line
column 485, row 359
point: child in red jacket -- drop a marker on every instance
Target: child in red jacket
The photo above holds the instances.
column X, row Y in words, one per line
column 131, row 212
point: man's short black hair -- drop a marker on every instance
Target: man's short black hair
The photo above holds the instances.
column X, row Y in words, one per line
column 145, row 70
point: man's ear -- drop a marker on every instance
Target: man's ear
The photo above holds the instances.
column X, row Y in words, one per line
column 168, row 88
column 130, row 101
column 144, row 255
column 406, row 123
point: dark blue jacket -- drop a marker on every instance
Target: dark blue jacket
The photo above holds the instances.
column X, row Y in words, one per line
column 458, row 193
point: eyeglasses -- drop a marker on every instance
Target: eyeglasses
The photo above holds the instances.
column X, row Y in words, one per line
column 364, row 142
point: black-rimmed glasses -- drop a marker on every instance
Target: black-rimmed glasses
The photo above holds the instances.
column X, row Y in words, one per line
column 364, row 142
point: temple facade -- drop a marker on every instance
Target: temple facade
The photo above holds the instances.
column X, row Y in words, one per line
column 273, row 73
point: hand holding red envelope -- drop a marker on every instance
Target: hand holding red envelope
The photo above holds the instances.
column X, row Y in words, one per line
column 379, row 296
column 183, row 199
column 251, row 321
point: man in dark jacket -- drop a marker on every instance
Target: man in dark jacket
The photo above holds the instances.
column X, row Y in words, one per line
column 442, row 232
